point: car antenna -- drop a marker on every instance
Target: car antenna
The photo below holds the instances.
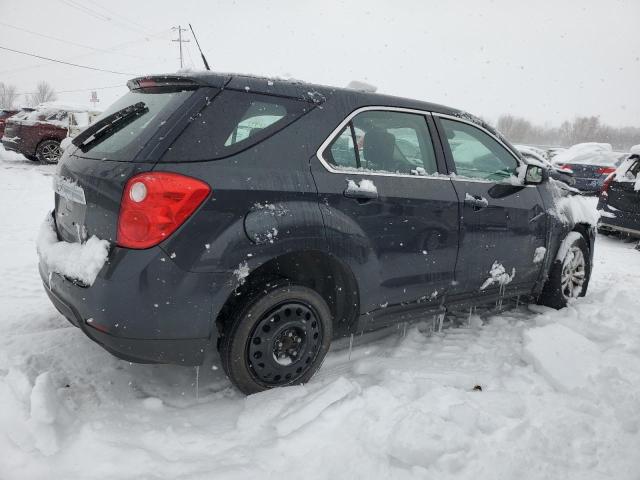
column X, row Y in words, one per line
column 204, row 60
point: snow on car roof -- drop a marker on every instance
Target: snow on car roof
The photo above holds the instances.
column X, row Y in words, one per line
column 589, row 153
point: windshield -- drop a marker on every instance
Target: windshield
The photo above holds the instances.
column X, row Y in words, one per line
column 124, row 143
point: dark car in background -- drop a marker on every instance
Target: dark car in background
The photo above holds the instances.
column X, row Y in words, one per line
column 37, row 132
column 4, row 115
column 619, row 202
column 268, row 217
column 591, row 163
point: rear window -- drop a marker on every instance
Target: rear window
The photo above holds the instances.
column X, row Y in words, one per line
column 128, row 137
column 233, row 122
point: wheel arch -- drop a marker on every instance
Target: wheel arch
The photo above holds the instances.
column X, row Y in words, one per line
column 318, row 270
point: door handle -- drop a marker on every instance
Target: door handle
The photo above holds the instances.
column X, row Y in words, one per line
column 361, row 195
column 476, row 202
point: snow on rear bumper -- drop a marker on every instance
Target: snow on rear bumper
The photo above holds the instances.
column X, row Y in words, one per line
column 77, row 261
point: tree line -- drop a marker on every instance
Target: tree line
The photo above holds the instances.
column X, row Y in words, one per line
column 578, row 130
column 9, row 96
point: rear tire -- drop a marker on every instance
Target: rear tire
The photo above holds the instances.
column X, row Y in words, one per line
column 49, row 152
column 279, row 336
column 569, row 277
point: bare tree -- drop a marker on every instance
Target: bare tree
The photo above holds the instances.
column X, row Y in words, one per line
column 582, row 129
column 515, row 128
column 8, row 95
column 44, row 93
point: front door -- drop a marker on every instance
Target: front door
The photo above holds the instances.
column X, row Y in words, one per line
column 503, row 222
column 387, row 213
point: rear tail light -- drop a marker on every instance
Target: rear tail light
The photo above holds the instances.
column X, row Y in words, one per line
column 604, row 191
column 154, row 205
column 605, row 170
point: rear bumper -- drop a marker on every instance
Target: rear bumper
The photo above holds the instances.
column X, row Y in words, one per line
column 589, row 184
column 10, row 144
column 134, row 350
column 617, row 220
column 143, row 308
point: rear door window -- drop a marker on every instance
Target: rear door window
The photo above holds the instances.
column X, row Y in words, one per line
column 232, row 122
column 258, row 116
column 386, row 142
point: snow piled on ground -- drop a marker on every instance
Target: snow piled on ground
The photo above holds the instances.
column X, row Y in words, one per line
column 559, row 398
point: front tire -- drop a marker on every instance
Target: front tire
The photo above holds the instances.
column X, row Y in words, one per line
column 49, row 152
column 279, row 337
column 569, row 276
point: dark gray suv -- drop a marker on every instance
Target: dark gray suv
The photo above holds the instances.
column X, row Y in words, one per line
column 268, row 217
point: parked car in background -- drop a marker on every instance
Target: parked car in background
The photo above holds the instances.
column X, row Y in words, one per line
column 535, row 152
column 36, row 133
column 619, row 202
column 553, row 151
column 559, row 173
column 4, row 115
column 591, row 163
column 292, row 214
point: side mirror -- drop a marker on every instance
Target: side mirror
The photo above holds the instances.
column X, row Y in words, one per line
column 534, row 175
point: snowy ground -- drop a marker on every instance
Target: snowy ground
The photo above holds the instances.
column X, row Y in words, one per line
column 560, row 390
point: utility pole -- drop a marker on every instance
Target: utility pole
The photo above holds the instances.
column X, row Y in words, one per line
column 180, row 40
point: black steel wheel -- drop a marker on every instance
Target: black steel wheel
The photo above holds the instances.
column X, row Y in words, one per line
column 279, row 337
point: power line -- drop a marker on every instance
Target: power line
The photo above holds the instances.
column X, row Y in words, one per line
column 100, row 16
column 85, row 9
column 65, row 63
column 114, row 47
column 70, row 42
column 117, row 15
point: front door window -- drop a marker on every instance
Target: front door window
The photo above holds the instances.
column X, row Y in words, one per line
column 476, row 154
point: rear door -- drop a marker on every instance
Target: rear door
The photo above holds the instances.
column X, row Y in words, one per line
column 502, row 222
column 387, row 213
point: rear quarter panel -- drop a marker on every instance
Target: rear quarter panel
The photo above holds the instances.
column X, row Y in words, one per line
column 263, row 204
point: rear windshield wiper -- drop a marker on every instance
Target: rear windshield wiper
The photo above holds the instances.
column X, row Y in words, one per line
column 110, row 125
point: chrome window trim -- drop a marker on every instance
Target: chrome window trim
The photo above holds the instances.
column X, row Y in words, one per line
column 333, row 135
column 440, row 176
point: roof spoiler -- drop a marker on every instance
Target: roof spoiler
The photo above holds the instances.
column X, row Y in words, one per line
column 163, row 81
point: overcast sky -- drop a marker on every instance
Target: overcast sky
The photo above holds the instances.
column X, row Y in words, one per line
column 544, row 60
